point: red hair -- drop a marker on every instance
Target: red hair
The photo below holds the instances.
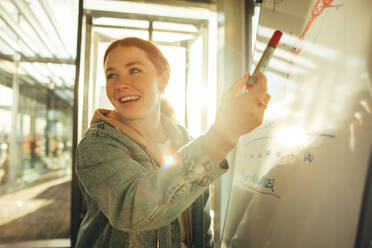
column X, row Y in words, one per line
column 152, row 51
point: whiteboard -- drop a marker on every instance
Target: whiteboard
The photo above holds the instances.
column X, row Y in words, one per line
column 298, row 179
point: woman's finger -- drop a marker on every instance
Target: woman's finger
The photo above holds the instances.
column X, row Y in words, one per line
column 262, row 104
column 237, row 87
column 267, row 98
column 260, row 86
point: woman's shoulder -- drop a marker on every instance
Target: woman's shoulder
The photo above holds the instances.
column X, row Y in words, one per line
column 102, row 133
column 100, row 143
column 103, row 136
column 101, row 129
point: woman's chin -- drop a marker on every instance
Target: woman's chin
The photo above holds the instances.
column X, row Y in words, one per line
column 129, row 115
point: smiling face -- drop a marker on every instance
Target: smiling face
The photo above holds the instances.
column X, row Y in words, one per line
column 133, row 85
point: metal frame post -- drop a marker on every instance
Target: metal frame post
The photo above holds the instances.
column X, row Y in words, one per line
column 76, row 198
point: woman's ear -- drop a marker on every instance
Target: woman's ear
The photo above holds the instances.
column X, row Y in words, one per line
column 164, row 78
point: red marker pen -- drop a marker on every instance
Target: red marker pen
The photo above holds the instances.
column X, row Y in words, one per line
column 265, row 58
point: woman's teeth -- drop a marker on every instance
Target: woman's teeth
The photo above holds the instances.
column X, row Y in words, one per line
column 129, row 98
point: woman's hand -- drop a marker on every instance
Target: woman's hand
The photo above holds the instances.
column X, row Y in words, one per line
column 239, row 114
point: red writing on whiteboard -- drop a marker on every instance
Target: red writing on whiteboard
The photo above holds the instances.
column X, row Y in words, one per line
column 318, row 9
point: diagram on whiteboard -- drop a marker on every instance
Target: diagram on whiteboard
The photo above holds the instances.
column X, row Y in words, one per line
column 262, row 153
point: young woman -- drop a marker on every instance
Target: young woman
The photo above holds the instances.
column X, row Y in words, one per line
column 145, row 184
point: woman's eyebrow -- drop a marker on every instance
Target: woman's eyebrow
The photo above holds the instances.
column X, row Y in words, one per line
column 133, row 63
column 110, row 69
column 127, row 65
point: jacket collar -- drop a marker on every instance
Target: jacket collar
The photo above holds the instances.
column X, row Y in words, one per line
column 174, row 131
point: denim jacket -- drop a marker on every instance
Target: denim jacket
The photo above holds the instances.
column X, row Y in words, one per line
column 132, row 201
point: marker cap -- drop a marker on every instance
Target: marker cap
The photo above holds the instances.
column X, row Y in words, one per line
column 274, row 41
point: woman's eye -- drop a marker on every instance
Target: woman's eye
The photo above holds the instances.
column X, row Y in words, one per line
column 110, row 76
column 133, row 71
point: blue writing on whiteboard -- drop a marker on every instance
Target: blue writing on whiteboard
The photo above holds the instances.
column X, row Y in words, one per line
column 308, row 157
column 260, row 184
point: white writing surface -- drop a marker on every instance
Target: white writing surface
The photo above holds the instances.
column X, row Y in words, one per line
column 298, row 179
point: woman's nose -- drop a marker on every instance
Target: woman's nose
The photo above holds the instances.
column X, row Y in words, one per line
column 122, row 83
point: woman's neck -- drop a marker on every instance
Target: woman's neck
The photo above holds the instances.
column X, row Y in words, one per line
column 150, row 127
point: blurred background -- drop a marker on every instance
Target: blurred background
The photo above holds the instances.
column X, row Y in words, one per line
column 52, row 80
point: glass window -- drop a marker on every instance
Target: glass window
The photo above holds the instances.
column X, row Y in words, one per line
column 47, row 27
column 10, row 8
column 174, row 26
column 68, row 75
column 175, row 91
column 25, row 50
column 36, row 109
column 118, row 33
column 195, row 88
column 148, row 9
column 30, row 32
column 35, row 162
column 12, row 35
column 101, row 98
column 60, row 10
column 121, row 22
column 5, row 49
column 171, row 37
column 30, row 69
